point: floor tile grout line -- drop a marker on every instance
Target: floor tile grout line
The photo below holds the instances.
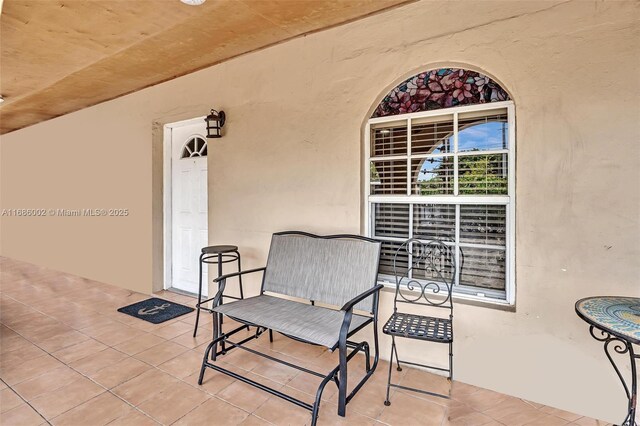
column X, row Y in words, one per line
column 67, row 365
column 79, row 330
column 204, row 402
column 61, row 295
column 156, row 367
column 100, row 394
column 309, row 394
column 261, row 418
column 82, row 374
column 130, row 405
column 25, row 401
column 110, row 390
column 83, row 333
column 190, row 411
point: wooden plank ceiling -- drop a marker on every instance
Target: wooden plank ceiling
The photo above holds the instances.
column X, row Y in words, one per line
column 59, row 56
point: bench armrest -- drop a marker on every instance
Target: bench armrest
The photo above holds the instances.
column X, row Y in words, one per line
column 235, row 274
column 348, row 314
column 359, row 298
column 222, row 282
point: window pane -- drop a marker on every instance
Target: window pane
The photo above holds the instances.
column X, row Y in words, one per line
column 389, row 177
column 432, row 176
column 483, row 268
column 434, row 222
column 482, row 132
column 389, row 140
column 482, row 174
column 432, row 137
column 391, row 220
column 483, row 224
column 387, row 256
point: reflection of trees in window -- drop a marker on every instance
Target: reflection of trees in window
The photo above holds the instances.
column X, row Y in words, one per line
column 485, row 174
column 375, row 176
column 435, row 176
column 477, row 174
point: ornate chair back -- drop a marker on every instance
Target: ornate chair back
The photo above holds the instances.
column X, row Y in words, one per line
column 425, row 273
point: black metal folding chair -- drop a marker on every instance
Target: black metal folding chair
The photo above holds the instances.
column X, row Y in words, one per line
column 425, row 273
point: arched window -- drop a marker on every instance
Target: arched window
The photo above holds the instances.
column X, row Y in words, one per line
column 441, row 88
column 194, row 147
column 440, row 157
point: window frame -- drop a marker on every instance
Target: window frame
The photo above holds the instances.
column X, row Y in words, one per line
column 194, row 154
column 508, row 200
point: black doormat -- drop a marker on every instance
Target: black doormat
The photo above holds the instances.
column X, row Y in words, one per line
column 155, row 310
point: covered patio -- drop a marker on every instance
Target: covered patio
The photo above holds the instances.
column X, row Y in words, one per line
column 483, row 155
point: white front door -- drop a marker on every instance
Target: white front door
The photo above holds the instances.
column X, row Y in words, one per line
column 188, row 205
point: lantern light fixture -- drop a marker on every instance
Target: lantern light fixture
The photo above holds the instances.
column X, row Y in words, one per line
column 215, row 120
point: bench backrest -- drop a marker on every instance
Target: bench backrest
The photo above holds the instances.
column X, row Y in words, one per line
column 331, row 270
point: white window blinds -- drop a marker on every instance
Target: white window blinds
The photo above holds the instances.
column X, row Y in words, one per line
column 446, row 175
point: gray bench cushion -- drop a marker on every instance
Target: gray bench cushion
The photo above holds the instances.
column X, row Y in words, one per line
column 311, row 323
column 331, row 271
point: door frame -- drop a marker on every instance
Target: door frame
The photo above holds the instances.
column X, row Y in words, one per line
column 167, row 195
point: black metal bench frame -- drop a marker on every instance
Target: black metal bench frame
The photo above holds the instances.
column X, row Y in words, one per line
column 338, row 374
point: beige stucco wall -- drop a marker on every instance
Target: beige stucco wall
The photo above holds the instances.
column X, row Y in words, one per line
column 291, row 159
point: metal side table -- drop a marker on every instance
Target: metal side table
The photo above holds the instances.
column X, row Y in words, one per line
column 615, row 321
column 216, row 255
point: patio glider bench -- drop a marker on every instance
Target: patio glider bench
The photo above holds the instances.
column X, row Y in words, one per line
column 304, row 270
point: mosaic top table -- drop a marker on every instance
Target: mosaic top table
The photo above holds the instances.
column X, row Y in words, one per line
column 615, row 321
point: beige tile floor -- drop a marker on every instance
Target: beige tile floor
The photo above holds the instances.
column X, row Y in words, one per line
column 67, row 357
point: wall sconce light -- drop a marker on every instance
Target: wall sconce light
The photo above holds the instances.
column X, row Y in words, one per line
column 215, row 120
